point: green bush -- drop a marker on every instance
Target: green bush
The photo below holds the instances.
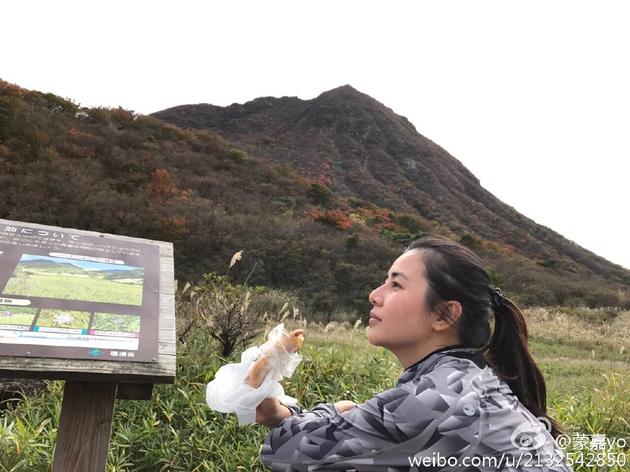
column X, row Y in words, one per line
column 321, row 195
column 403, row 239
column 471, row 241
column 238, row 156
column 352, row 241
column 412, row 223
column 495, row 276
column 355, row 202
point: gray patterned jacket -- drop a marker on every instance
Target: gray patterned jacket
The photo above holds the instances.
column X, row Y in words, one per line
column 448, row 412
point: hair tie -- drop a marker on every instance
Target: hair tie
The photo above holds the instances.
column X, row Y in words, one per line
column 496, row 298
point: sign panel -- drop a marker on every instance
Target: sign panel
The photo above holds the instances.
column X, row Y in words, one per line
column 73, row 296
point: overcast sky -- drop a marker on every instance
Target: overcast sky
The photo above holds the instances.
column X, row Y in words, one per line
column 533, row 97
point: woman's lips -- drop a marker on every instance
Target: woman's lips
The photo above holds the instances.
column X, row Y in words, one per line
column 373, row 319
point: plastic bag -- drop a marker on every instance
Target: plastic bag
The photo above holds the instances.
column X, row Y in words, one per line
column 229, row 393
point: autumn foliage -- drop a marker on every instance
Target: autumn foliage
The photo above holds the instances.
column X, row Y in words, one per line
column 163, row 186
column 113, row 171
column 336, row 218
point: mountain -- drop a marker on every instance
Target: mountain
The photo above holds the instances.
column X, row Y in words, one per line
column 356, row 145
column 277, row 178
column 122, row 274
column 69, row 268
column 110, row 170
column 360, row 148
column 50, row 266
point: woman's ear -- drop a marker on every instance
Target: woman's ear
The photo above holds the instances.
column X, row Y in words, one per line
column 447, row 315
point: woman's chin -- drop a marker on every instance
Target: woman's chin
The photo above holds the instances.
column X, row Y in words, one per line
column 373, row 338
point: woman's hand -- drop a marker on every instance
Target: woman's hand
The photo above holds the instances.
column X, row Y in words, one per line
column 345, row 405
column 271, row 412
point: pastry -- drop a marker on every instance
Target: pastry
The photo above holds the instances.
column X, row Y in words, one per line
column 288, row 344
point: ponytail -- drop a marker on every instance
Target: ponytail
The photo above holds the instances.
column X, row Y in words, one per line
column 508, row 354
column 454, row 272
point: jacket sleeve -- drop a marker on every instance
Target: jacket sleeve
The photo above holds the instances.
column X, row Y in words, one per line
column 382, row 432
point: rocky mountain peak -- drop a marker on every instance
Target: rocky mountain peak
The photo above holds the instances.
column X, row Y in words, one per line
column 359, row 148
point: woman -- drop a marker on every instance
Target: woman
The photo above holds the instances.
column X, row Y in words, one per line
column 466, row 401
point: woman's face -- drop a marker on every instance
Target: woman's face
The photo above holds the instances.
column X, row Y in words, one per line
column 400, row 320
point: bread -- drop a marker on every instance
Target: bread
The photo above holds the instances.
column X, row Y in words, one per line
column 289, row 343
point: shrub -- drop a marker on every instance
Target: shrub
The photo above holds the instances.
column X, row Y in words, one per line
column 358, row 203
column 58, row 105
column 238, row 156
column 411, row 222
column 320, row 195
column 336, row 218
column 549, row 263
column 163, row 186
column 470, row 241
column 495, row 276
column 287, row 204
column 403, row 239
column 226, row 311
column 352, row 241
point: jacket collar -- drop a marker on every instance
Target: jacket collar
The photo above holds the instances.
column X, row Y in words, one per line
column 427, row 363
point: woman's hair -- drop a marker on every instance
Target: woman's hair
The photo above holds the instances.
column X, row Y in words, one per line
column 454, row 272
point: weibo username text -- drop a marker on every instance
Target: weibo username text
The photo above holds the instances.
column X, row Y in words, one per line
column 524, row 459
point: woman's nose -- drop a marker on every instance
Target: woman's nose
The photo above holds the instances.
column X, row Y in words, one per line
column 375, row 298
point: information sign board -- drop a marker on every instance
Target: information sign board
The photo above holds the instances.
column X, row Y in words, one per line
column 71, row 295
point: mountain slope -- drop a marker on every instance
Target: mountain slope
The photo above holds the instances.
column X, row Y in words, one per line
column 50, row 266
column 359, row 147
column 110, row 170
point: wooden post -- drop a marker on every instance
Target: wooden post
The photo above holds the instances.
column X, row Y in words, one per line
column 85, row 426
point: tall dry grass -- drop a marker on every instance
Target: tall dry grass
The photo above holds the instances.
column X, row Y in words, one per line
column 557, row 326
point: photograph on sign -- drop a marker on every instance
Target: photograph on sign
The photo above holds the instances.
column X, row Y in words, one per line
column 70, row 279
column 76, row 296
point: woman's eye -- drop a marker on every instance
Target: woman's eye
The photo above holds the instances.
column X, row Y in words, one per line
column 394, row 284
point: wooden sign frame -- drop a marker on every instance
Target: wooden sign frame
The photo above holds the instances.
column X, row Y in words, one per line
column 92, row 385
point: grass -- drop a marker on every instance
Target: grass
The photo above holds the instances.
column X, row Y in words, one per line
column 15, row 315
column 63, row 319
column 556, row 328
column 176, row 431
column 72, row 287
column 113, row 322
column 18, row 320
column 14, row 310
column 574, row 352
